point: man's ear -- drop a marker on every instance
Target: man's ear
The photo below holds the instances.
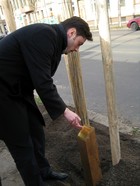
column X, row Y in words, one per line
column 71, row 32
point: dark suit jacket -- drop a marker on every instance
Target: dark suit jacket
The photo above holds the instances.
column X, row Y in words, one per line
column 29, row 58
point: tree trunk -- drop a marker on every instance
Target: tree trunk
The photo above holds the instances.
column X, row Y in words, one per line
column 8, row 14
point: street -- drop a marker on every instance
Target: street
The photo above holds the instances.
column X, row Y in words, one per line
column 126, row 66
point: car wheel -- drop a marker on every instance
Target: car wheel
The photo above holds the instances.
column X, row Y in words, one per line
column 134, row 26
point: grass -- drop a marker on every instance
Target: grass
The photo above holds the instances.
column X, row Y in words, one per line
column 38, row 100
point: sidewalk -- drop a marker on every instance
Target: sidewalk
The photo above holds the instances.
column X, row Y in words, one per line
column 8, row 172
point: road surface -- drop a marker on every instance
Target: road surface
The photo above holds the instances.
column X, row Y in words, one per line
column 125, row 46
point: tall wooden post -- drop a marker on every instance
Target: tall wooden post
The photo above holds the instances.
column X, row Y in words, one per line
column 8, row 14
column 86, row 137
column 75, row 76
column 109, row 79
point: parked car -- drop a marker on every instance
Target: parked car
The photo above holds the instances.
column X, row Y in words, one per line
column 134, row 23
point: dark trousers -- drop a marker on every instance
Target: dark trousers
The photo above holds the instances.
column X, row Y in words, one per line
column 30, row 156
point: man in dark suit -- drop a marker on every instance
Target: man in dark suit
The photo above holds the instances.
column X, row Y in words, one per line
column 29, row 58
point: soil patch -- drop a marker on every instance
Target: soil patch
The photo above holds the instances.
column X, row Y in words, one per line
column 63, row 153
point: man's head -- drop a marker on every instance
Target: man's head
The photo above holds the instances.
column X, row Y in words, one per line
column 77, row 33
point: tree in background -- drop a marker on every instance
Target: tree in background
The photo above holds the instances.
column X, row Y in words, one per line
column 8, row 14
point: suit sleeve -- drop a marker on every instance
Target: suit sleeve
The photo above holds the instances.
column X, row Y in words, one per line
column 38, row 53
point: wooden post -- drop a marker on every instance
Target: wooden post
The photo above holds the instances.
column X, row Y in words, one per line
column 89, row 156
column 109, row 80
column 8, row 14
column 75, row 76
column 87, row 142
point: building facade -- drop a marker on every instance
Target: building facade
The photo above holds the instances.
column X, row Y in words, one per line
column 51, row 11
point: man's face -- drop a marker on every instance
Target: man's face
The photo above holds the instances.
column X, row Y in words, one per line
column 73, row 41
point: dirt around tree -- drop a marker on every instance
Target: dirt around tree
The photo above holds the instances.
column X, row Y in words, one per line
column 63, row 153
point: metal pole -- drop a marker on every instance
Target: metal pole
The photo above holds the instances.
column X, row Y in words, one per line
column 119, row 14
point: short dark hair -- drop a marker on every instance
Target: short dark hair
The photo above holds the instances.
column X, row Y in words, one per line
column 81, row 26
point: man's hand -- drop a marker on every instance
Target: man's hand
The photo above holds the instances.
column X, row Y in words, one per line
column 72, row 118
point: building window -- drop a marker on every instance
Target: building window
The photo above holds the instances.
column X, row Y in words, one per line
column 23, row 3
column 108, row 3
column 11, row 6
column 17, row 4
column 122, row 2
column 14, row 4
column 42, row 14
column 1, row 11
column 136, row 2
column 123, row 19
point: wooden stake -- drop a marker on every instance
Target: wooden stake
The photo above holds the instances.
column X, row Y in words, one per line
column 109, row 79
column 75, row 77
column 88, row 146
column 73, row 67
column 89, row 156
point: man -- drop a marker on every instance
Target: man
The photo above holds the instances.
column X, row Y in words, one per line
column 29, row 58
